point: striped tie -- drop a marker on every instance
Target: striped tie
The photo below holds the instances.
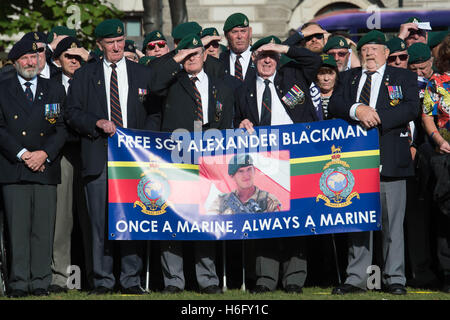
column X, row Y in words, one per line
column 238, row 68
column 28, row 92
column 266, row 108
column 116, row 111
column 364, row 97
column 198, row 101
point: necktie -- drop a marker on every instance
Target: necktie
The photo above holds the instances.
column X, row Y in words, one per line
column 266, row 108
column 28, row 92
column 238, row 68
column 116, row 111
column 364, row 97
column 198, row 115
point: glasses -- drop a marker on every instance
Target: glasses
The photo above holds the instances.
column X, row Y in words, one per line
column 340, row 54
column 215, row 44
column 402, row 57
column 316, row 35
column 40, row 50
column 160, row 44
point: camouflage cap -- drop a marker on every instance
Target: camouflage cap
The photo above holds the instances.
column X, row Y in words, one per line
column 336, row 42
column 239, row 161
column 265, row 40
column 110, row 28
column 372, row 37
column 235, row 20
column 396, row 44
column 418, row 52
column 183, row 29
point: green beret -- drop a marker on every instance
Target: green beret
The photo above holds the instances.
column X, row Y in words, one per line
column 436, row 37
column 190, row 41
column 110, row 28
column 65, row 44
column 209, row 32
column 265, row 40
column 146, row 60
column 239, row 161
column 336, row 42
column 413, row 19
column 61, row 30
column 328, row 60
column 235, row 20
column 373, row 37
column 130, row 46
column 396, row 44
column 22, row 47
column 418, row 52
column 152, row 36
column 183, row 29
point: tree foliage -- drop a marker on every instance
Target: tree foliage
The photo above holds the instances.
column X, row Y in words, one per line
column 42, row 15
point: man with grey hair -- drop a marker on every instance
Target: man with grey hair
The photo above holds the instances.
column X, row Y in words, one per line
column 32, row 132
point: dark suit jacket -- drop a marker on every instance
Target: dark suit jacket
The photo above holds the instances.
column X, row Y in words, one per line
column 24, row 126
column 299, row 72
column 178, row 108
column 86, row 104
column 395, row 156
column 225, row 59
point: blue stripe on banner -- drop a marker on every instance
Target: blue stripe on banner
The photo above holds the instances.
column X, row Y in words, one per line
column 128, row 223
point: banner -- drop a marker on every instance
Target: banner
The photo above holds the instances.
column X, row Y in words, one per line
column 280, row 181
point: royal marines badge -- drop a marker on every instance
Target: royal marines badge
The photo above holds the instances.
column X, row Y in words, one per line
column 337, row 182
column 153, row 190
column 52, row 112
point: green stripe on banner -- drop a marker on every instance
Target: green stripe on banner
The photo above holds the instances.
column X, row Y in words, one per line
column 135, row 173
column 298, row 169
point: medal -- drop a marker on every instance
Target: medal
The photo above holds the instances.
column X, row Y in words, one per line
column 52, row 112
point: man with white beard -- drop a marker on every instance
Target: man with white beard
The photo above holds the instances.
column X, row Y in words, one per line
column 32, row 132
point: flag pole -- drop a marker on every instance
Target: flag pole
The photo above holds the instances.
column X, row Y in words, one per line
column 224, row 261
column 147, row 276
column 243, row 266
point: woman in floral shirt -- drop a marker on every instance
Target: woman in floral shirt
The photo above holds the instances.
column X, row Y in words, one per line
column 436, row 103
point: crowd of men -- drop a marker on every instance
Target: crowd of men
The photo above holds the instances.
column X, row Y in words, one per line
column 59, row 103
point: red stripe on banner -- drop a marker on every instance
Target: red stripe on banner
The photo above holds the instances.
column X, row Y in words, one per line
column 125, row 191
column 308, row 186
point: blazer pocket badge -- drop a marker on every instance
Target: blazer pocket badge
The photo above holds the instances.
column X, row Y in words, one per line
column 142, row 94
column 395, row 95
column 218, row 113
column 52, row 112
column 294, row 96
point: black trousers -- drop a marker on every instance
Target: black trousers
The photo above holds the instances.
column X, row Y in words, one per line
column 30, row 212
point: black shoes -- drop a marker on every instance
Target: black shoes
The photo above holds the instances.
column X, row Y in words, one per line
column 17, row 294
column 39, row 292
column 133, row 290
column 396, row 288
column 171, row 290
column 293, row 288
column 212, row 290
column 54, row 288
column 261, row 289
column 101, row 290
column 347, row 288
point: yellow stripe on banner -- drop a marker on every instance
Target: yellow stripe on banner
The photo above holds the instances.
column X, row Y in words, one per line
column 344, row 155
column 135, row 164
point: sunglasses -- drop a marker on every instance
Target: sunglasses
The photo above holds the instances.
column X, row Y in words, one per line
column 42, row 49
column 316, row 35
column 215, row 44
column 160, row 44
column 402, row 57
column 340, row 54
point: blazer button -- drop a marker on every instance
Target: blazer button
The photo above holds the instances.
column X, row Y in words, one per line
column 16, row 117
column 24, row 133
column 42, row 134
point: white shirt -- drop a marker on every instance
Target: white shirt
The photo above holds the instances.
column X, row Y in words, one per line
column 202, row 85
column 65, row 82
column 45, row 73
column 377, row 79
column 33, row 88
column 246, row 57
column 122, row 83
column 279, row 115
